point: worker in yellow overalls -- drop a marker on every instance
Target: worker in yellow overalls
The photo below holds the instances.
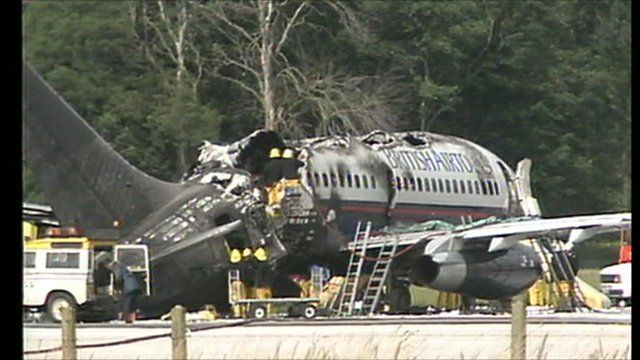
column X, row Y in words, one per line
column 262, row 278
column 237, row 290
column 290, row 166
column 272, row 176
column 303, row 283
column 247, row 269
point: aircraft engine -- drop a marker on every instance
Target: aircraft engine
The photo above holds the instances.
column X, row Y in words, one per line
column 497, row 275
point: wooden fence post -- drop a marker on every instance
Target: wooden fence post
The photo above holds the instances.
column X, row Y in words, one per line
column 179, row 332
column 69, row 351
column 519, row 326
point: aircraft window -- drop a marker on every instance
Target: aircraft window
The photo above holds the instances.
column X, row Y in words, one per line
column 341, row 179
column 373, row 182
column 349, row 180
column 419, row 181
column 406, row 183
column 455, row 186
column 325, row 180
column 440, row 186
column 334, row 180
column 398, row 184
column 426, row 184
column 434, row 186
column 490, row 187
column 448, row 184
column 365, row 182
column 477, row 187
column 462, row 189
column 316, row 177
column 356, row 179
column 496, row 188
column 483, row 185
column 412, row 184
column 470, row 186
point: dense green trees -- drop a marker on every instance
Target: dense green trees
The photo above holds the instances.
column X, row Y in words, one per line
column 545, row 80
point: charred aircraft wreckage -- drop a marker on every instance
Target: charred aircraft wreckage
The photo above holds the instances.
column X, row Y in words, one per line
column 190, row 227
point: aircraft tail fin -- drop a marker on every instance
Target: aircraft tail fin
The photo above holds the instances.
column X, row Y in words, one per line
column 88, row 184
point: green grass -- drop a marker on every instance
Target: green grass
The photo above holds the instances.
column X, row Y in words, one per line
column 424, row 296
column 591, row 277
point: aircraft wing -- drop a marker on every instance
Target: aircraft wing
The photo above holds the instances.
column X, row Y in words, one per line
column 504, row 234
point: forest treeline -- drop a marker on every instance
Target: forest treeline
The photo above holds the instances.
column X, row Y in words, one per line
column 544, row 80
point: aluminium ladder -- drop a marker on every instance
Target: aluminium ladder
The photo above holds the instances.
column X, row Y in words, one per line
column 373, row 292
column 354, row 270
column 549, row 257
column 567, row 271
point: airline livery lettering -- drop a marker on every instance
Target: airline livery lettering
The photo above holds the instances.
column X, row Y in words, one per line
column 429, row 160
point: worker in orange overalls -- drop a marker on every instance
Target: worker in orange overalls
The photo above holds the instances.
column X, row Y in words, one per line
column 625, row 253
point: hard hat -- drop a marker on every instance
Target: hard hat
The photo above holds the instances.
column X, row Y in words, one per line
column 260, row 254
column 287, row 154
column 274, row 153
column 246, row 252
column 235, row 256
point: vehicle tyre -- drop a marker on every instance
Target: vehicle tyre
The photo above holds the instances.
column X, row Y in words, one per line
column 259, row 312
column 310, row 312
column 55, row 301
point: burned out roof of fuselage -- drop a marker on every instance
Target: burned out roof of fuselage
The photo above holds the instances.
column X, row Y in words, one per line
column 256, row 146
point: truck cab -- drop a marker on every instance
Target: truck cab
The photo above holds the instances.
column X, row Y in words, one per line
column 59, row 269
column 615, row 281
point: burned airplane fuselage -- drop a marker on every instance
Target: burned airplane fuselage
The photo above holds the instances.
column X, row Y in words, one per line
column 390, row 178
column 191, row 226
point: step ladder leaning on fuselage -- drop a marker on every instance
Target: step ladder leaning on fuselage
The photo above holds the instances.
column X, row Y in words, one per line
column 373, row 290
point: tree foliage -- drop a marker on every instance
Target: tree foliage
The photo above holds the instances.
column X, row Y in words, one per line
column 545, row 80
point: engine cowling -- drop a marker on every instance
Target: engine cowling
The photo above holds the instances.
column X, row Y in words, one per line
column 498, row 275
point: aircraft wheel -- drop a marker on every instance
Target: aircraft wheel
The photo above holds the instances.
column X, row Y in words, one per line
column 55, row 301
column 310, row 312
column 399, row 298
column 260, row 312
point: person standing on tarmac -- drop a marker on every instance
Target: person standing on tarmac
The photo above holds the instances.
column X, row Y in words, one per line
column 237, row 291
column 263, row 275
column 129, row 287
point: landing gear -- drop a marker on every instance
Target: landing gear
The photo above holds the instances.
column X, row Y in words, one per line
column 399, row 297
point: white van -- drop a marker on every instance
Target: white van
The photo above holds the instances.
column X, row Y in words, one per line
column 62, row 271
column 615, row 281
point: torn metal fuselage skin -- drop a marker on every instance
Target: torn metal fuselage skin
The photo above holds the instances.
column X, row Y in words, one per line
column 409, row 177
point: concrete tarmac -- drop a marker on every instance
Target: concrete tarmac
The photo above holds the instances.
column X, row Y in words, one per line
column 421, row 337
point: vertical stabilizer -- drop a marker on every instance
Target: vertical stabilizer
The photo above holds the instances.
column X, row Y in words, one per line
column 88, row 184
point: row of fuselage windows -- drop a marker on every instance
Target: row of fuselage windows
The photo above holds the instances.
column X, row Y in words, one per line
column 451, row 186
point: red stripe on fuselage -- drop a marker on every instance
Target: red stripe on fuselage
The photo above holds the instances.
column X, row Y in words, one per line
column 408, row 211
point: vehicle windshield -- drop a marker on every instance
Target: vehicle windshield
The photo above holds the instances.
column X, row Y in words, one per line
column 134, row 259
